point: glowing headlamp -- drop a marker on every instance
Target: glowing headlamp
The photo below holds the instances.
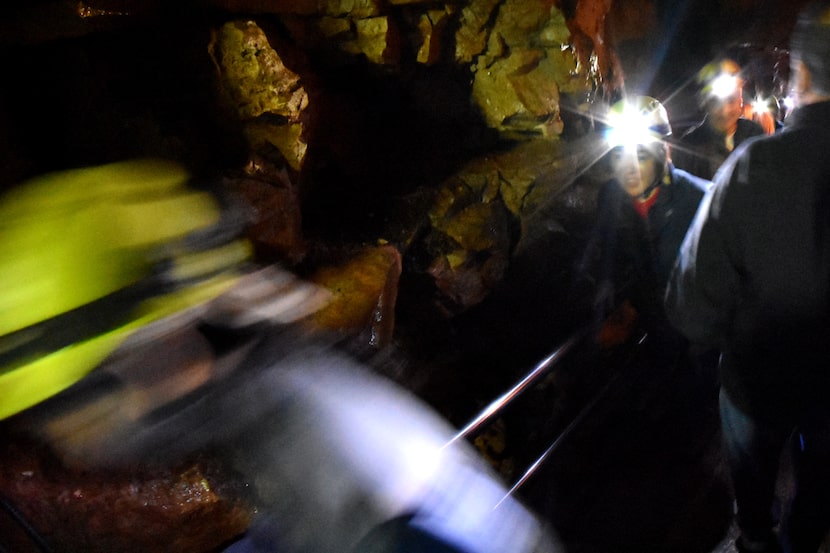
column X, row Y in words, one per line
column 760, row 105
column 630, row 128
column 725, row 85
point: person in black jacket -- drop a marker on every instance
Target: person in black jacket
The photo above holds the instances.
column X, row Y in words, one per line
column 643, row 212
column 703, row 148
column 753, row 279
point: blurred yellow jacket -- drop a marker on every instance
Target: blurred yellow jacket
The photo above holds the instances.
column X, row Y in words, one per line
column 88, row 256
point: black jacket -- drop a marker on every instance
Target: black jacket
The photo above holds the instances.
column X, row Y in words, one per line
column 754, row 271
column 634, row 254
column 701, row 150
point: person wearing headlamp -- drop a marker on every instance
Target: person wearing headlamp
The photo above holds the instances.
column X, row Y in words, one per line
column 647, row 191
column 643, row 212
column 752, row 279
column 704, row 147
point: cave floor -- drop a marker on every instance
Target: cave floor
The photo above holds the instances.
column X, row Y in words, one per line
column 642, row 471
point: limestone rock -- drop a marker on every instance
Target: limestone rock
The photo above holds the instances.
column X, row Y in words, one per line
column 519, row 96
column 481, row 242
column 364, row 292
column 471, row 37
column 432, row 27
column 373, row 39
column 519, row 77
column 266, row 93
column 471, row 238
column 357, row 9
column 335, row 27
column 487, row 210
column 520, row 22
column 275, row 226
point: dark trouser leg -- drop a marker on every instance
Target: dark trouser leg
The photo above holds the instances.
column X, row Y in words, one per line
column 808, row 519
column 752, row 451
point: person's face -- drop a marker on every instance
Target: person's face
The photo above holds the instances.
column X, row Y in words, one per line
column 635, row 171
column 724, row 113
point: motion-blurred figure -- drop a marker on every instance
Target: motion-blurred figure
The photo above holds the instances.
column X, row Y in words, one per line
column 703, row 148
column 90, row 256
column 753, row 279
column 136, row 330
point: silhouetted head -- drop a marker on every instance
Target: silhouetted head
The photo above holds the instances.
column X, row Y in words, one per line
column 810, row 45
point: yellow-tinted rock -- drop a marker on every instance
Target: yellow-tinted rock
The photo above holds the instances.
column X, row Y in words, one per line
column 520, row 22
column 353, row 8
column 474, row 228
column 527, row 64
column 471, row 214
column 554, row 32
column 471, row 37
column 260, row 84
column 364, row 292
column 286, row 138
column 431, row 25
column 372, row 35
column 516, row 95
column 253, row 73
column 335, row 27
column 486, row 209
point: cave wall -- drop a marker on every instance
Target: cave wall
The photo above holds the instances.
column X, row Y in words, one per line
column 432, row 126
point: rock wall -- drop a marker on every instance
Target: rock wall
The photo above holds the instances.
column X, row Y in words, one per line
column 430, row 125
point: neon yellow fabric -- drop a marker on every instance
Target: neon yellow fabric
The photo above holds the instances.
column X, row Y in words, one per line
column 69, row 238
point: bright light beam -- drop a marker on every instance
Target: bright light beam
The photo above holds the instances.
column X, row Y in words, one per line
column 724, row 86
column 629, row 129
column 759, row 105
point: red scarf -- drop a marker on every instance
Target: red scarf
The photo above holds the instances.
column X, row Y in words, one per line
column 643, row 206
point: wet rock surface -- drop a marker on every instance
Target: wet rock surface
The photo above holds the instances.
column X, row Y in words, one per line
column 195, row 506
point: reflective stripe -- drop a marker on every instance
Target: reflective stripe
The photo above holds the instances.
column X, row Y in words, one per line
column 44, row 373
